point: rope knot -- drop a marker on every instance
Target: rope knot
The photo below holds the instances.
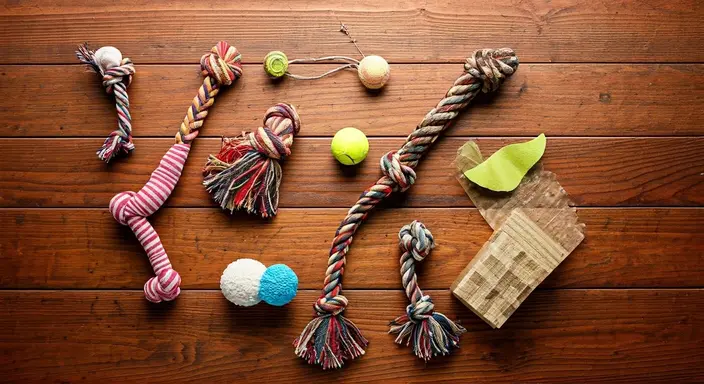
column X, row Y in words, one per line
column 401, row 174
column 118, row 207
column 332, row 306
column 422, row 309
column 274, row 139
column 120, row 74
column 416, row 239
column 165, row 286
column 222, row 63
column 491, row 66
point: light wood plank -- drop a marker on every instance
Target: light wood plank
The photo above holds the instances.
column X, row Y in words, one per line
column 556, row 336
column 571, row 99
column 428, row 31
column 86, row 248
column 595, row 172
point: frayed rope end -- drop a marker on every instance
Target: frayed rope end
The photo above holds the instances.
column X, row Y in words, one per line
column 329, row 340
column 240, row 178
column 246, row 174
column 113, row 146
column 433, row 335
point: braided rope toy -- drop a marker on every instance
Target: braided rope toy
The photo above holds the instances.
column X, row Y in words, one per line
column 221, row 67
column 246, row 173
column 430, row 332
column 330, row 339
column 116, row 73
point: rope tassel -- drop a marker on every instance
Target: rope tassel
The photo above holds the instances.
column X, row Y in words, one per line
column 430, row 333
column 221, row 67
column 330, row 338
column 484, row 71
column 116, row 73
column 246, row 174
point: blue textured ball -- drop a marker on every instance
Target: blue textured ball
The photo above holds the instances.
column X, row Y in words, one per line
column 278, row 285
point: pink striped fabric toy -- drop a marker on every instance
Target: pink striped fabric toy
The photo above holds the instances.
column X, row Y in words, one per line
column 221, row 67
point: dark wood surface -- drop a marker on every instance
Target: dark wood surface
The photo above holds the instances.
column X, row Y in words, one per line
column 617, row 86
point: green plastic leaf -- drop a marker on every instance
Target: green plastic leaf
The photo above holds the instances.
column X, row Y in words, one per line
column 504, row 170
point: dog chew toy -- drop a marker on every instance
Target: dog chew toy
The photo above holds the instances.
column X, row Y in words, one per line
column 116, row 73
column 247, row 282
column 221, row 67
column 246, row 173
column 373, row 71
column 330, row 339
column 430, row 333
column 535, row 228
column 349, row 146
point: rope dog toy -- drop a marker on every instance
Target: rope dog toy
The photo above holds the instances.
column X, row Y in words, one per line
column 373, row 71
column 221, row 67
column 330, row 339
column 117, row 73
column 246, row 173
column 431, row 333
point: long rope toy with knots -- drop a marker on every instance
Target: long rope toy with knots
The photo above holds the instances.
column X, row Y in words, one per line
column 116, row 73
column 221, row 67
column 430, row 333
column 330, row 339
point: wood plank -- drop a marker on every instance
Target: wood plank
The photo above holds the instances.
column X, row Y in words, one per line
column 571, row 99
column 595, row 172
column 556, row 336
column 431, row 31
column 87, row 249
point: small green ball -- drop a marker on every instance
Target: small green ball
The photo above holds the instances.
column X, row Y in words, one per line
column 349, row 146
column 276, row 64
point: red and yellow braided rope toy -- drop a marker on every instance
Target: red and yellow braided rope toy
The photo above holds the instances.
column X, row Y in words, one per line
column 221, row 67
column 330, row 339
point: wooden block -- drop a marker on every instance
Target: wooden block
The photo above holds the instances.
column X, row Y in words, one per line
column 510, row 265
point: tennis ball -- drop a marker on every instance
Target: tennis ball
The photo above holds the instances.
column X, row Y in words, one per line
column 349, row 146
column 374, row 72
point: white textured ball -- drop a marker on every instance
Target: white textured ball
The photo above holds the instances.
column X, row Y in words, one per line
column 239, row 282
column 108, row 57
column 374, row 72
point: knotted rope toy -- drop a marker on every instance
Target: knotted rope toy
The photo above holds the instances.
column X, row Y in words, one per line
column 246, row 173
column 116, row 73
column 330, row 338
column 431, row 333
column 221, row 67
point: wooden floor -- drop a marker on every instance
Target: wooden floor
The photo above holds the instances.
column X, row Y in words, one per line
column 617, row 86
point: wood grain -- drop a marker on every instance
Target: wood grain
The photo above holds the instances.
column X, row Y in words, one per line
column 619, row 336
column 595, row 172
column 558, row 100
column 87, row 249
column 429, row 31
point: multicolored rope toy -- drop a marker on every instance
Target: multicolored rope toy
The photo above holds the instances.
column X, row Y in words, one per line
column 430, row 332
column 330, row 339
column 246, row 173
column 116, row 73
column 221, row 67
